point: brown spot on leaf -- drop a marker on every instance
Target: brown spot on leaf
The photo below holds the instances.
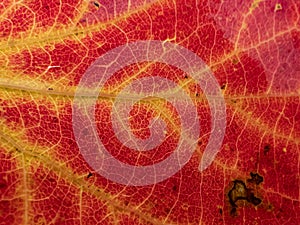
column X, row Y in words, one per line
column 221, row 211
column 235, row 61
column 167, row 210
column 255, row 178
column 97, row 4
column 267, row 149
column 252, row 199
column 238, row 192
column 3, row 185
column 174, row 188
column 270, row 207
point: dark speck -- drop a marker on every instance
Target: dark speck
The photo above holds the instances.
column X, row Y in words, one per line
column 255, row 178
column 221, row 211
column 167, row 210
column 233, row 211
column 89, row 175
column 267, row 149
column 255, row 201
column 2, row 185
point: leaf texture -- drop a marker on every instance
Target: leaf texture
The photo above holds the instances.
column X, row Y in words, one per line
column 251, row 47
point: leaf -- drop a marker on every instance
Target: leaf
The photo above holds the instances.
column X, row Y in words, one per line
column 250, row 47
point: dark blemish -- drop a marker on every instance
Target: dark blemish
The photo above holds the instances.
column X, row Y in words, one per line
column 235, row 61
column 233, row 211
column 174, row 188
column 223, row 86
column 221, row 211
column 96, row 4
column 270, row 207
column 251, row 198
column 3, row 185
column 77, row 33
column 279, row 213
column 52, row 180
column 50, row 89
column 241, row 192
column 199, row 142
column 17, row 150
column 233, row 100
column 267, row 149
column 255, row 178
column 278, row 7
column 197, row 94
column 126, row 203
column 185, row 76
column 89, row 175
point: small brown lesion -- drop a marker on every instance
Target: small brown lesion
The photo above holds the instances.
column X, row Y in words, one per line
column 221, row 211
column 255, row 178
column 267, row 148
column 96, row 4
column 89, row 175
column 235, row 61
column 278, row 7
column 240, row 192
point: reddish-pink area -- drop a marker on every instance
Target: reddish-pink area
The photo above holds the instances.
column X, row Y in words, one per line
column 95, row 211
column 40, row 122
column 55, row 199
column 122, row 153
column 37, row 15
column 104, row 10
column 262, row 133
column 242, row 76
column 268, row 35
column 11, row 202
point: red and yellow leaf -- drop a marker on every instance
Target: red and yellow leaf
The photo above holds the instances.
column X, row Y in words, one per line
column 253, row 51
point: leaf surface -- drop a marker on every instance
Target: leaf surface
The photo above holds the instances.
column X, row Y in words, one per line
column 253, row 51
